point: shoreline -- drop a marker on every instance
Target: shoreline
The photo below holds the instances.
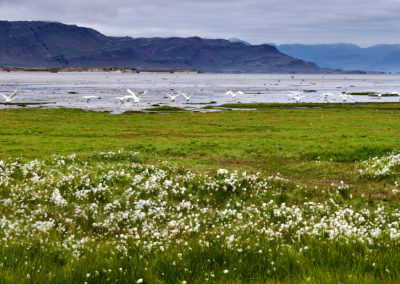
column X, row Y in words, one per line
column 113, row 69
column 100, row 69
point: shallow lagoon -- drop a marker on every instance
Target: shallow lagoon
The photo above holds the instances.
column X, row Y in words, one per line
column 68, row 89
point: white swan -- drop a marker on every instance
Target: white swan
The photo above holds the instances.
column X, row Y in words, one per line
column 230, row 93
column 173, row 97
column 327, row 95
column 133, row 96
column 298, row 98
column 345, row 96
column 234, row 95
column 294, row 94
column 8, row 99
column 186, row 97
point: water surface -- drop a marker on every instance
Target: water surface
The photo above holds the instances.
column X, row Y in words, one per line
column 68, row 89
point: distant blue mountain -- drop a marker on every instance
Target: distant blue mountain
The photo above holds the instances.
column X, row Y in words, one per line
column 384, row 57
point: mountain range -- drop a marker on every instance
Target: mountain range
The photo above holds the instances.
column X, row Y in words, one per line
column 383, row 57
column 53, row 44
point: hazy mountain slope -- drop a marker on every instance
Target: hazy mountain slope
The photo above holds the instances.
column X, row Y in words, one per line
column 384, row 58
column 56, row 44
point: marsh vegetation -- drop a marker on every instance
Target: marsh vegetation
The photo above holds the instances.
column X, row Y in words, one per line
column 271, row 195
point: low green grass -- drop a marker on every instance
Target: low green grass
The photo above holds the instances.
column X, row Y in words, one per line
column 343, row 105
column 25, row 104
column 318, row 151
column 273, row 140
column 373, row 94
column 165, row 108
column 362, row 93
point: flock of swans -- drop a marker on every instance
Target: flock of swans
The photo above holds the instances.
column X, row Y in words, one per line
column 330, row 97
column 294, row 96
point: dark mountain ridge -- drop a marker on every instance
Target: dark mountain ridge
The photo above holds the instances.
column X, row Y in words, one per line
column 55, row 44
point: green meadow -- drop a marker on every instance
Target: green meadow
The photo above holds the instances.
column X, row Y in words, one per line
column 284, row 140
column 267, row 193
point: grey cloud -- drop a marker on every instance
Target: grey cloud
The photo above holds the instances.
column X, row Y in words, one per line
column 286, row 21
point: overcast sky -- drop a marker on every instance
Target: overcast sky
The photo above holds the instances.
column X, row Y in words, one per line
column 364, row 22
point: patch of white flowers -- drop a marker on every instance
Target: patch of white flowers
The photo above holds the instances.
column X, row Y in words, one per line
column 72, row 203
column 381, row 166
